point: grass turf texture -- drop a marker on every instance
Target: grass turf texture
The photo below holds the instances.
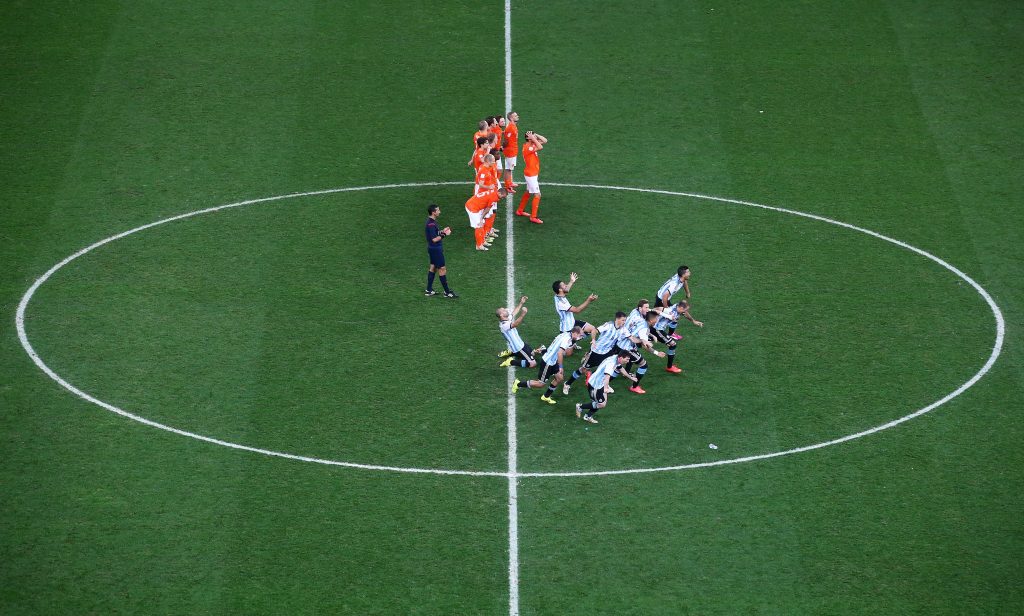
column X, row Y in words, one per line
column 298, row 324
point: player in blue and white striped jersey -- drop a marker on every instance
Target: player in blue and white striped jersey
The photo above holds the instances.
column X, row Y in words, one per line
column 552, row 366
column 597, row 384
column 566, row 311
column 681, row 280
column 518, row 351
column 608, row 335
column 668, row 318
column 638, row 323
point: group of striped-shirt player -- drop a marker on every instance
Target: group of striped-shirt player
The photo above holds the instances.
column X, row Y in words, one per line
column 616, row 346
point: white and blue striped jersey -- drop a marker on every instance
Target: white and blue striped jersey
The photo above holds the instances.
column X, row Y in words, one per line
column 562, row 341
column 668, row 317
column 672, row 285
column 566, row 319
column 607, row 336
column 605, row 368
column 634, row 322
column 515, row 342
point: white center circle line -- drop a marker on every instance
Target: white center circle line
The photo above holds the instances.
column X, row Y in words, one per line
column 27, row 297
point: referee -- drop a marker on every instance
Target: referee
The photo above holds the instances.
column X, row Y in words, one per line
column 436, row 252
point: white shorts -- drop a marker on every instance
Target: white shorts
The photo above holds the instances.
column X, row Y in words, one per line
column 497, row 161
column 493, row 210
column 476, row 219
column 532, row 185
column 510, row 162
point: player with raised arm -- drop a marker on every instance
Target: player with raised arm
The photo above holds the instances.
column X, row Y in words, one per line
column 518, row 351
column 567, row 312
column 534, row 143
column 601, row 348
column 681, row 280
column 597, row 384
column 552, row 366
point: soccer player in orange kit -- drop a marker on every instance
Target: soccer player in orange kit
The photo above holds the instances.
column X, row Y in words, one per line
column 534, row 143
column 510, row 147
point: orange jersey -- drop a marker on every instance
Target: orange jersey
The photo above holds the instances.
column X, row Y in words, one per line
column 486, row 177
column 478, row 134
column 531, row 159
column 496, row 129
column 478, row 157
column 479, row 203
column 511, row 140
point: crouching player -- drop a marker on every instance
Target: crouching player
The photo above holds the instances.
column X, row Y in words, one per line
column 665, row 326
column 518, row 352
column 597, row 384
column 551, row 367
column 637, row 327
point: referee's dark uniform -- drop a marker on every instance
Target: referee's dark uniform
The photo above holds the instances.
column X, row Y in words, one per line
column 435, row 250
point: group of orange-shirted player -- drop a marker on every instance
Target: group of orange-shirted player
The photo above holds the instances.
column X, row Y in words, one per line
column 495, row 154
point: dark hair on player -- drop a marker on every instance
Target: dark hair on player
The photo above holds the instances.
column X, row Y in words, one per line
column 652, row 315
column 624, row 354
column 683, row 304
column 620, row 314
column 509, row 115
column 642, row 302
column 433, row 207
column 682, row 270
column 556, row 286
column 577, row 330
column 482, row 141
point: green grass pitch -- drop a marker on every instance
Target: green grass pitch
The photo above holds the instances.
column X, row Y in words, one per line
column 298, row 325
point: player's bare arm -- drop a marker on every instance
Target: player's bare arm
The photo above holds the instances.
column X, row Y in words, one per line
column 573, row 277
column 583, row 306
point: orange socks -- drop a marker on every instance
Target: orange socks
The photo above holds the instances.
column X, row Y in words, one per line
column 522, row 203
column 536, row 205
column 481, row 235
column 489, row 224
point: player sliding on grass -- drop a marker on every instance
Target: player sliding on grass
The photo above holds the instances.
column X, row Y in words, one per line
column 668, row 318
column 597, row 384
column 518, row 351
column 551, row 368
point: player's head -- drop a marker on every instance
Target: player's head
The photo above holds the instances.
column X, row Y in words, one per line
column 502, row 192
column 500, row 119
column 433, row 209
column 643, row 306
column 489, row 160
column 683, row 272
column 481, row 141
column 512, row 116
column 492, row 138
column 558, row 287
column 576, row 333
column 491, row 120
column 623, row 357
column 620, row 318
column 502, row 313
column 683, row 305
column 652, row 317
column 482, row 125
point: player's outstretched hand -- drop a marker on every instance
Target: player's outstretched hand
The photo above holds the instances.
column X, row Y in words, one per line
column 447, row 230
column 525, row 309
column 522, row 300
column 592, row 296
column 573, row 277
column 699, row 323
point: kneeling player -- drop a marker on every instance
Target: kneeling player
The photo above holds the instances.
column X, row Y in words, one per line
column 597, row 384
column 551, row 367
column 518, row 351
